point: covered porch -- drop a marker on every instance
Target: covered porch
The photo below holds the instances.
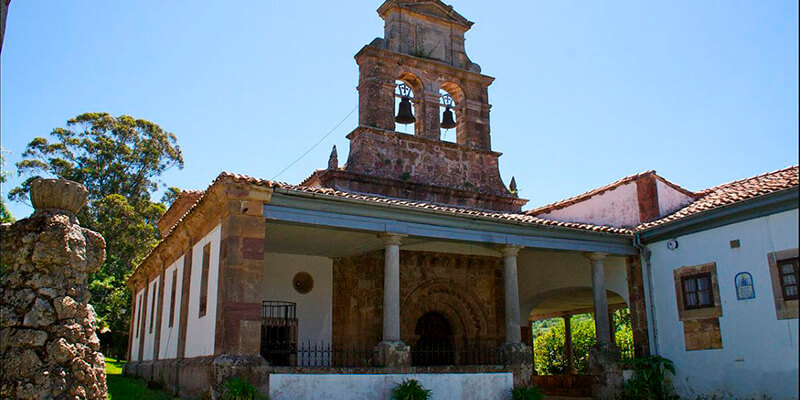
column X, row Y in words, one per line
column 366, row 289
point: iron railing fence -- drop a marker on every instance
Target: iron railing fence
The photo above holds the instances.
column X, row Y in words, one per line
column 475, row 352
column 323, row 354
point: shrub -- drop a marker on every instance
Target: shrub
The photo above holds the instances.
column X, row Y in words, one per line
column 410, row 389
column 549, row 352
column 649, row 381
column 526, row 393
column 239, row 389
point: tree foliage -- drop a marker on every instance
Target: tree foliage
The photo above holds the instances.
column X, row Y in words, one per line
column 118, row 160
column 550, row 353
column 5, row 213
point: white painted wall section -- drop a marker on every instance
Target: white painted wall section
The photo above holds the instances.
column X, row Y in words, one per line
column 617, row 207
column 200, row 331
column 150, row 322
column 669, row 199
column 137, row 325
column 759, row 354
column 315, row 308
column 168, row 347
column 543, row 272
column 486, row 386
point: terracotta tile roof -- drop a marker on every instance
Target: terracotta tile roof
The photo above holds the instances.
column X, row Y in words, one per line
column 420, row 205
column 731, row 193
column 611, row 186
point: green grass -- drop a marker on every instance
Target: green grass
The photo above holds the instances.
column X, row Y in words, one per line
column 124, row 388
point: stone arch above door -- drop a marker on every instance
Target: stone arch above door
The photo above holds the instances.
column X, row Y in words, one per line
column 467, row 317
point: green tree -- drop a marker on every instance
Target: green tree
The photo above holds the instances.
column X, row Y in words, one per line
column 548, row 347
column 170, row 195
column 5, row 214
column 119, row 160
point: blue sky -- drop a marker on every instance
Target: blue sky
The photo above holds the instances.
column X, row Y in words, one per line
column 704, row 92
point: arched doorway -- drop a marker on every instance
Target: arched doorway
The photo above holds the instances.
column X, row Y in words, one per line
column 434, row 346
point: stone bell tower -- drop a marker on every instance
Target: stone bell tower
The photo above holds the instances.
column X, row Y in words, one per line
column 422, row 49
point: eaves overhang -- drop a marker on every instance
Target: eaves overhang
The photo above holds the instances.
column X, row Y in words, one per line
column 756, row 207
column 291, row 206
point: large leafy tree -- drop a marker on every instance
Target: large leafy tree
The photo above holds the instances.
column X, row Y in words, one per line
column 119, row 160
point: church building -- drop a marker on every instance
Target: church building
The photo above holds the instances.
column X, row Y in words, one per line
column 413, row 259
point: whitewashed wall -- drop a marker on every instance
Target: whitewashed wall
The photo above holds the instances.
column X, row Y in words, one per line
column 150, row 321
column 669, row 199
column 616, row 207
column 314, row 309
column 759, row 354
column 488, row 386
column 200, row 331
column 137, row 326
column 168, row 345
column 542, row 272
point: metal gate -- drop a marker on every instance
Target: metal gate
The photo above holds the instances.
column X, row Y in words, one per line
column 279, row 332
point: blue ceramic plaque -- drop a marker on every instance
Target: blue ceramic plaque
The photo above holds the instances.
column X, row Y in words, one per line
column 744, row 286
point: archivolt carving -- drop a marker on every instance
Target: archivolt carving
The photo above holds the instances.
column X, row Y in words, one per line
column 467, row 317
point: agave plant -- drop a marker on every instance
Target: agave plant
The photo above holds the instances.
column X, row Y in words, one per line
column 410, row 389
column 526, row 393
column 239, row 389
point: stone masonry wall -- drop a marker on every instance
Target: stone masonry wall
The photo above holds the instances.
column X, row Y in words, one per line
column 48, row 331
column 467, row 290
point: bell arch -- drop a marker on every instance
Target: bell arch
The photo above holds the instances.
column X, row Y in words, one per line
column 417, row 88
column 455, row 105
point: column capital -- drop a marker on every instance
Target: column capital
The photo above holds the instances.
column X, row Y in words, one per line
column 595, row 256
column 391, row 238
column 509, row 250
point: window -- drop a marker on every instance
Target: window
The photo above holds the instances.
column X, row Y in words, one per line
column 699, row 305
column 783, row 271
column 204, row 280
column 697, row 291
column 172, row 297
column 138, row 316
column 153, row 305
column 788, row 278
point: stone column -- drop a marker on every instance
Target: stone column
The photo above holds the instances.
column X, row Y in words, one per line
column 393, row 352
column 511, row 293
column 48, row 330
column 516, row 354
column 602, row 329
column 603, row 356
column 391, row 288
column 568, row 343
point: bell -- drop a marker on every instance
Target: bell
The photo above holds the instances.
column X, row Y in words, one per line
column 447, row 119
column 404, row 113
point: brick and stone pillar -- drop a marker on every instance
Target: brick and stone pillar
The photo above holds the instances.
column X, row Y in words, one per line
column 393, row 352
column 48, row 330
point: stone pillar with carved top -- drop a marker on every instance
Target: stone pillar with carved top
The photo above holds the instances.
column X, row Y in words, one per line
column 516, row 354
column 392, row 352
column 603, row 356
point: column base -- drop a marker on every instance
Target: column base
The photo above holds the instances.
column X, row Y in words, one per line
column 519, row 357
column 394, row 354
column 606, row 374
